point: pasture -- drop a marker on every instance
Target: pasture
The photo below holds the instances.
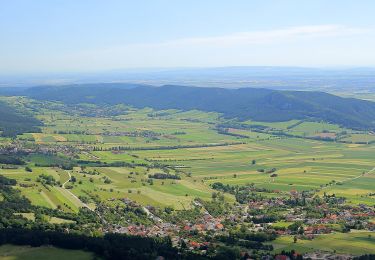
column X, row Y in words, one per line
column 189, row 145
column 354, row 243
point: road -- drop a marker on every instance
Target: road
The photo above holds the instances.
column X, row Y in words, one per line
column 73, row 195
column 354, row 178
column 82, row 203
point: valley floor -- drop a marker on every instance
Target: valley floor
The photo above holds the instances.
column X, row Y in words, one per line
column 166, row 162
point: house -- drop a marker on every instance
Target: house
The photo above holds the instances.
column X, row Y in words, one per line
column 282, row 257
column 219, row 226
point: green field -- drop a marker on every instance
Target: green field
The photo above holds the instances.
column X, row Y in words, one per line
column 356, row 243
column 110, row 159
column 198, row 153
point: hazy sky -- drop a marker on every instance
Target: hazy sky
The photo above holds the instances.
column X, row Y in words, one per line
column 89, row 35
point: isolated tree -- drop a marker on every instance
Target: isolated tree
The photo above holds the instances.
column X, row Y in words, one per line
column 73, row 179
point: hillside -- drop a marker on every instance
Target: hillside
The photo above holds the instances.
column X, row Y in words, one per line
column 246, row 103
column 158, row 177
column 14, row 122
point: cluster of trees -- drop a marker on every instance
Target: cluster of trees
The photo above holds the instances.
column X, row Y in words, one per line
column 365, row 257
column 171, row 147
column 144, row 133
column 158, row 165
column 107, row 180
column 269, row 218
column 225, row 188
column 158, row 114
column 50, row 160
column 164, row 176
column 123, row 214
column 217, row 206
column 248, row 239
column 11, row 159
column 225, row 131
column 179, row 133
column 110, row 246
column 243, row 193
column 76, row 132
column 6, row 181
column 267, row 171
column 240, row 125
column 47, row 179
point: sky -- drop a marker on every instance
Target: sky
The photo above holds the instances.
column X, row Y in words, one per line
column 98, row 35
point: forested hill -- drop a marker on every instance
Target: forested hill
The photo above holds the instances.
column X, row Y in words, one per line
column 14, row 122
column 244, row 103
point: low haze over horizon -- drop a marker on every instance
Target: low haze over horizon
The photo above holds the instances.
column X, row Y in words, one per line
column 78, row 36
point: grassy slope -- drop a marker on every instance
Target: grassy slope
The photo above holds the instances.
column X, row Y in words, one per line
column 356, row 243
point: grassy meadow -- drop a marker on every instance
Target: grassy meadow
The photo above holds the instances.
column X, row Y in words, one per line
column 355, row 243
column 189, row 144
column 118, row 153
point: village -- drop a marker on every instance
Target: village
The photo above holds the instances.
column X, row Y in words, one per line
column 206, row 230
column 253, row 221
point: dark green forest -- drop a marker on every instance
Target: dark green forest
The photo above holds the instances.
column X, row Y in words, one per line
column 264, row 105
column 13, row 122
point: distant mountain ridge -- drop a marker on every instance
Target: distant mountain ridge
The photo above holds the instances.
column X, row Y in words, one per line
column 273, row 77
column 244, row 103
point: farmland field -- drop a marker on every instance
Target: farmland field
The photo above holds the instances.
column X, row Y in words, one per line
column 190, row 145
column 356, row 243
column 218, row 130
column 174, row 161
